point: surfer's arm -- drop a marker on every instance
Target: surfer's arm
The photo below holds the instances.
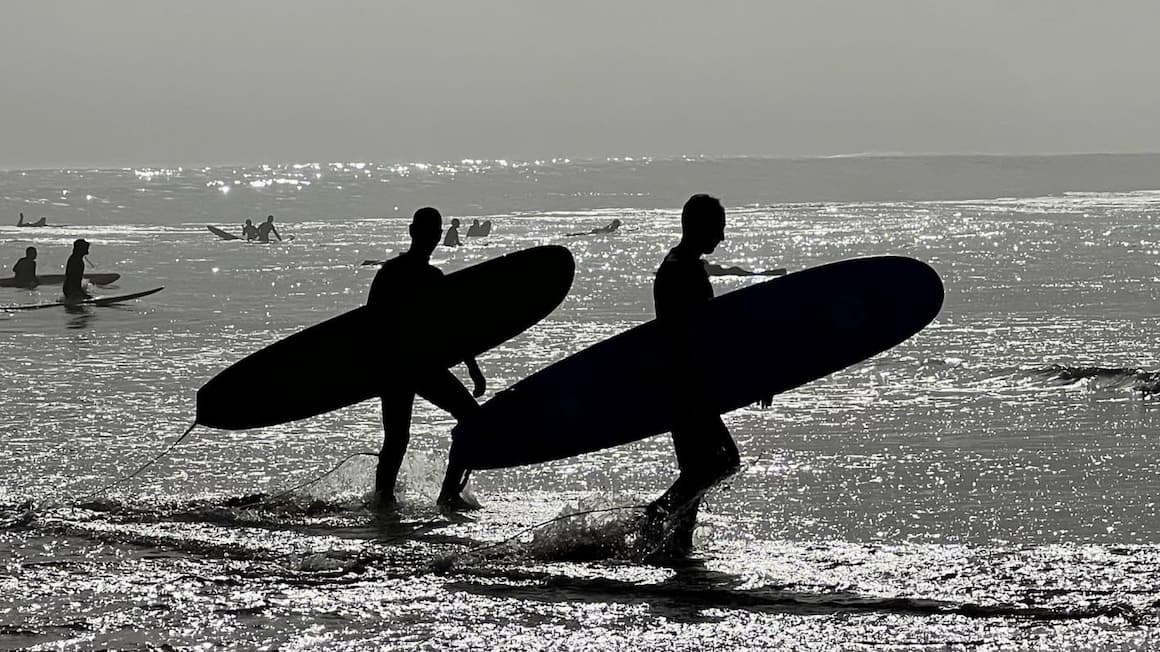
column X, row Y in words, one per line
column 476, row 377
column 719, row 270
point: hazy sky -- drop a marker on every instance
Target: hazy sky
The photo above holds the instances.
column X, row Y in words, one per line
column 159, row 82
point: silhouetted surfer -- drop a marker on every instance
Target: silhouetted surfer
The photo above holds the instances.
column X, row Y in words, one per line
column 452, row 239
column 250, row 232
column 43, row 221
column 479, row 230
column 74, row 272
column 705, row 450
column 25, row 269
column 401, row 280
column 611, row 227
column 266, row 228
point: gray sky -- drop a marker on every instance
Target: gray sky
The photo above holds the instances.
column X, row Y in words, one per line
column 151, row 82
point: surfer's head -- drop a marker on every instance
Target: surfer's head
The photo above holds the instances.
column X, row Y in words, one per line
column 270, row 218
column 703, row 223
column 426, row 227
column 249, row 222
column 455, row 222
column 30, row 252
column 81, row 247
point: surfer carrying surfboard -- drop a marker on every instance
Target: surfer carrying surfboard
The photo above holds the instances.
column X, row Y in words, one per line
column 399, row 281
column 706, row 453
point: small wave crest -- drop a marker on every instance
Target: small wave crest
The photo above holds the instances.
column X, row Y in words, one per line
column 1098, row 378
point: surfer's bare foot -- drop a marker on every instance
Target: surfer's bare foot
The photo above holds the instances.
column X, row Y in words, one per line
column 383, row 503
column 665, row 533
column 458, row 503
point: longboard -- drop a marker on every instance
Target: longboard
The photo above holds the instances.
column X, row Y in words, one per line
column 351, row 357
column 57, row 279
column 92, row 301
column 748, row 344
column 224, row 235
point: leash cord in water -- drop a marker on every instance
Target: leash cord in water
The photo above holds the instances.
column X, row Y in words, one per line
column 287, row 492
column 144, row 466
column 56, row 503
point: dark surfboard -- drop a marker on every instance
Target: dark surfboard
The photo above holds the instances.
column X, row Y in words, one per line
column 349, row 358
column 92, row 301
column 224, row 235
column 751, row 343
column 57, row 279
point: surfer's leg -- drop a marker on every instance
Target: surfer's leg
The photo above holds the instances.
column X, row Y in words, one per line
column 706, row 455
column 445, row 392
column 396, row 405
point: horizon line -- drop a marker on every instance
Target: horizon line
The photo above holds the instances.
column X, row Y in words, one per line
column 625, row 158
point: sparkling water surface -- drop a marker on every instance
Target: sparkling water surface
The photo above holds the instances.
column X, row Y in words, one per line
column 989, row 484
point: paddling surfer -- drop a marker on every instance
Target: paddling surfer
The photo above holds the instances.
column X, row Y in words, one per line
column 611, row 227
column 266, row 228
column 706, row 453
column 25, row 269
column 43, row 221
column 399, row 281
column 74, row 272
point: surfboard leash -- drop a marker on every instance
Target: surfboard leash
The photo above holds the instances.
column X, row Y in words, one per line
column 141, row 469
column 307, row 483
column 132, row 475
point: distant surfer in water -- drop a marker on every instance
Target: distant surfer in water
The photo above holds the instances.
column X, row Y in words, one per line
column 43, row 221
column 452, row 239
column 266, row 228
column 400, row 280
column 74, row 272
column 250, row 232
column 479, row 230
column 25, row 269
column 705, row 450
column 611, row 227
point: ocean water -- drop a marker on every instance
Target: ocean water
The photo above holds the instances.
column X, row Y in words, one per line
column 989, row 484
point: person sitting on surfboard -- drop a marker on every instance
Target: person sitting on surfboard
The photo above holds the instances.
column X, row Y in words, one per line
column 399, row 281
column 25, row 269
column 74, row 272
column 266, row 228
column 452, row 239
column 705, row 450
column 250, row 232
column 479, row 230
